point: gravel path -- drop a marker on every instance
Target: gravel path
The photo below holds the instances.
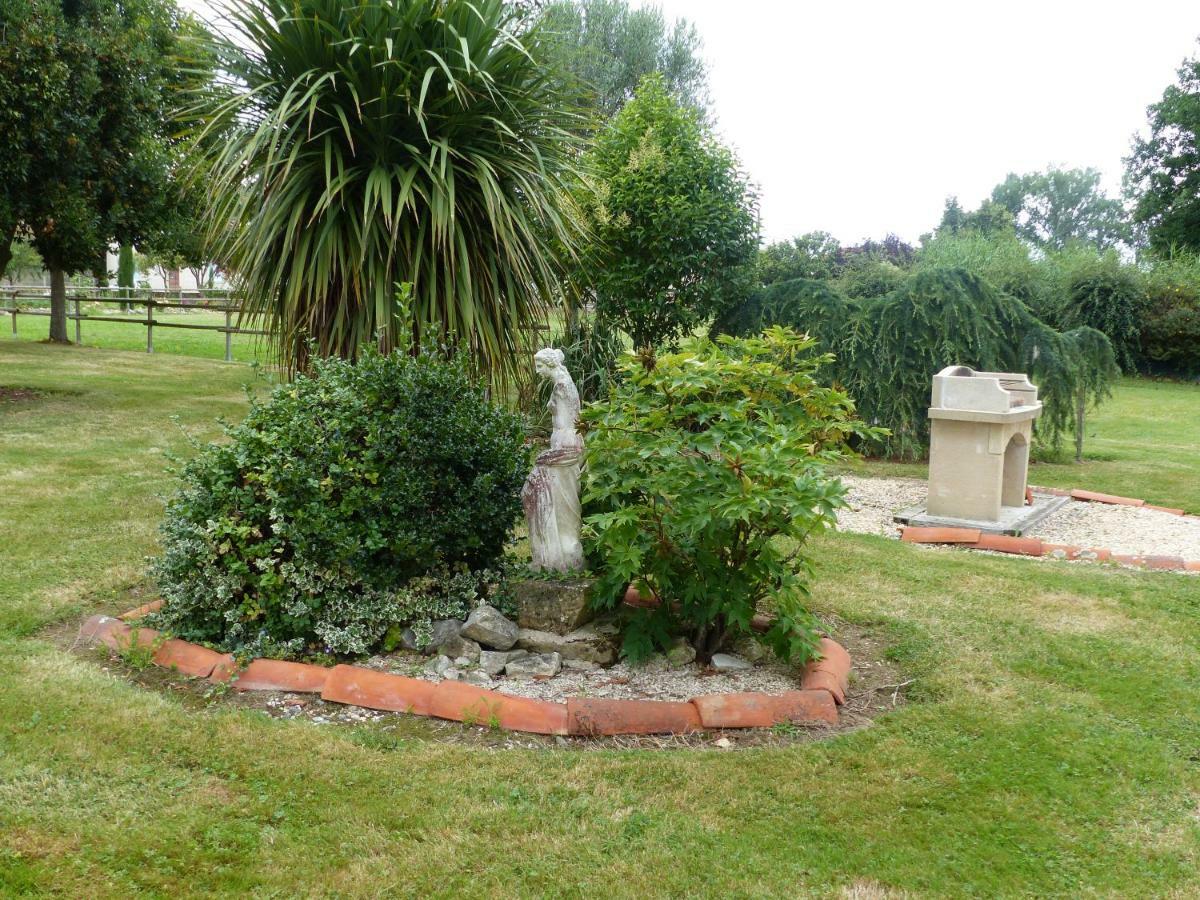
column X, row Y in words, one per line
column 1122, row 529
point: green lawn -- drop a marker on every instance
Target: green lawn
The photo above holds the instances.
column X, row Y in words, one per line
column 132, row 336
column 1051, row 748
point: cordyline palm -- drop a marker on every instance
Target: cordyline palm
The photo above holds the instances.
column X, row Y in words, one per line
column 350, row 147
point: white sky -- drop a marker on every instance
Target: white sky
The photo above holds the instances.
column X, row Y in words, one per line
column 860, row 117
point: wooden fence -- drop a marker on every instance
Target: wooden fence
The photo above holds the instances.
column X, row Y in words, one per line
column 207, row 300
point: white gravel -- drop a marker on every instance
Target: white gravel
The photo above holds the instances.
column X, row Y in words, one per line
column 653, row 681
column 1121, row 529
column 626, row 682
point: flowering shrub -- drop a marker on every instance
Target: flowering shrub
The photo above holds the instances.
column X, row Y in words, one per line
column 705, row 476
column 359, row 499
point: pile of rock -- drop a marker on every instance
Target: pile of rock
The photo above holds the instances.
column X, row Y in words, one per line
column 553, row 631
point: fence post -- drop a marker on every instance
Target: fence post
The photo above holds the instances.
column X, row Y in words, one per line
column 150, row 326
column 77, row 323
column 16, row 304
column 228, row 335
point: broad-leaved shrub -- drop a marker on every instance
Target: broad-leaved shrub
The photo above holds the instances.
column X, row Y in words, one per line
column 705, row 476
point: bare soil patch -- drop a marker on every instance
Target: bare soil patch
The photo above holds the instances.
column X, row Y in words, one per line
column 13, row 394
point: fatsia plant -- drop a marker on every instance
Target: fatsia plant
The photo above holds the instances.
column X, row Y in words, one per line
column 349, row 147
column 705, row 476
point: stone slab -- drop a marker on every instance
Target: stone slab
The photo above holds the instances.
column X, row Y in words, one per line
column 1014, row 520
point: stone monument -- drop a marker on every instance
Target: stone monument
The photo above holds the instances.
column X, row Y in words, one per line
column 551, row 493
column 982, row 425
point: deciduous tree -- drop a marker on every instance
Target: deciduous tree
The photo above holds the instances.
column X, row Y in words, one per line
column 674, row 217
column 1162, row 174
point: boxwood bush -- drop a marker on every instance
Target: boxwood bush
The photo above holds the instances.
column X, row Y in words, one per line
column 357, row 500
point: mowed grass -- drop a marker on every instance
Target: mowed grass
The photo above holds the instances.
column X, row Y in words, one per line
column 1050, row 747
column 132, row 336
column 1143, row 442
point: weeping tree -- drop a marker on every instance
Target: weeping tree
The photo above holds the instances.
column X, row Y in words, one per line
column 887, row 348
column 348, row 148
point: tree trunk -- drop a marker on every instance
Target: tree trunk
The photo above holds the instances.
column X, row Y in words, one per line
column 58, row 306
column 1080, row 411
column 7, row 233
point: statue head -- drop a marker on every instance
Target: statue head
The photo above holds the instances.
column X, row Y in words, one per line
column 548, row 363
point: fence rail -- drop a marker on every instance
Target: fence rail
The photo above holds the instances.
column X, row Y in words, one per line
column 201, row 300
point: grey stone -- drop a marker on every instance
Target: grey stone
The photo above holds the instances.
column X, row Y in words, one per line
column 488, row 626
column 439, row 665
column 681, row 654
column 534, row 664
column 460, row 646
column 727, row 662
column 555, row 606
column 408, row 640
column 581, row 665
column 751, row 649
column 492, row 662
column 593, row 643
column 452, row 674
column 444, row 630
column 462, row 662
column 478, row 678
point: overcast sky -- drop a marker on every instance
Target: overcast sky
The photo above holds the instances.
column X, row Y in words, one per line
column 861, row 117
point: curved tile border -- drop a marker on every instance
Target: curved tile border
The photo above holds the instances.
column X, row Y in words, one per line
column 823, row 687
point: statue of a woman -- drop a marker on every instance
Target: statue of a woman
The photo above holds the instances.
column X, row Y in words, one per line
column 551, row 493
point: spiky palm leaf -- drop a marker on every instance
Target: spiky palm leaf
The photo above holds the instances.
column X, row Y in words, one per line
column 351, row 146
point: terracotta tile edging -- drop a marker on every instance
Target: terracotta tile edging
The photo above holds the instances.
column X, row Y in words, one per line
column 823, row 686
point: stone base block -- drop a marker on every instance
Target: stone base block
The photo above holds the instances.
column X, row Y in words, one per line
column 558, row 607
column 1014, row 520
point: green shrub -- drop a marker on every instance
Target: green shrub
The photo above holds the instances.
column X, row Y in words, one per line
column 704, row 478
column 674, row 220
column 1170, row 336
column 1110, row 298
column 865, row 276
column 804, row 304
column 358, row 499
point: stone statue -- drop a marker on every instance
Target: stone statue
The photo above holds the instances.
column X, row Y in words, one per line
column 551, row 493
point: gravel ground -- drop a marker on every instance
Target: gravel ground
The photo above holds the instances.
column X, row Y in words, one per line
column 653, row 681
column 1122, row 529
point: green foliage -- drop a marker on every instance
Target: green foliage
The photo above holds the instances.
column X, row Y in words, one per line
column 1057, row 207
column 1110, row 298
column 1162, row 174
column 1170, row 335
column 808, row 306
column 85, row 162
column 356, row 146
column 25, row 263
column 675, row 220
column 865, row 276
column 705, row 477
column 814, row 255
column 363, row 497
column 898, row 342
column 608, row 48
column 998, row 257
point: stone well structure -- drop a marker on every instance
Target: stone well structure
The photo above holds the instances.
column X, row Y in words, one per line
column 981, row 429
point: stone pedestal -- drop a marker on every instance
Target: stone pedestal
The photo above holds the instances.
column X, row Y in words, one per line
column 556, row 606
